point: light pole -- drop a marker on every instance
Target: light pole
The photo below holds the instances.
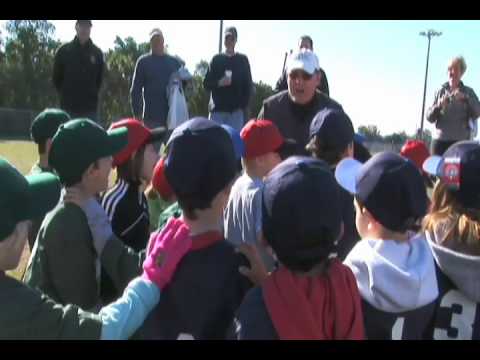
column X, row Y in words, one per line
column 220, row 40
column 429, row 35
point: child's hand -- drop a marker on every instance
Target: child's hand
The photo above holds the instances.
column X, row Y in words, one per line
column 165, row 250
column 257, row 272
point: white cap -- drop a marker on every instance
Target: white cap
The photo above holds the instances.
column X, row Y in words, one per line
column 433, row 165
column 303, row 59
column 155, row 32
column 346, row 173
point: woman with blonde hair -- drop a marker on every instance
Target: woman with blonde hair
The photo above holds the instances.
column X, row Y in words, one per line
column 455, row 109
column 452, row 229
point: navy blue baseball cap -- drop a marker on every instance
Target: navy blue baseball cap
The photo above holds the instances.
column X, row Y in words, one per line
column 459, row 167
column 389, row 186
column 301, row 215
column 200, row 160
column 333, row 127
column 238, row 144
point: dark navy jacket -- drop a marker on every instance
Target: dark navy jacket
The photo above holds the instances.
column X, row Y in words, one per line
column 201, row 300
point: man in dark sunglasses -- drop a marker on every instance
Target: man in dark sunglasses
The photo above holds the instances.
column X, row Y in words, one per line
column 292, row 110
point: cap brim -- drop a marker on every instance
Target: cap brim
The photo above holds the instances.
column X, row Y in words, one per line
column 44, row 192
column 289, row 148
column 157, row 134
column 432, row 165
column 118, row 139
column 299, row 65
column 346, row 172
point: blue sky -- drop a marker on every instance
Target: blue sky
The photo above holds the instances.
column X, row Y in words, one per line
column 375, row 69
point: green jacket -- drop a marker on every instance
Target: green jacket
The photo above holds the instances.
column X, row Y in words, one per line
column 64, row 264
column 173, row 210
column 28, row 314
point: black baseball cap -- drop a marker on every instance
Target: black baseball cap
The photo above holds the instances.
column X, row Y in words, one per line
column 46, row 124
column 301, row 215
column 80, row 142
column 84, row 22
column 231, row 30
column 459, row 167
column 24, row 198
column 333, row 127
column 200, row 160
column 389, row 186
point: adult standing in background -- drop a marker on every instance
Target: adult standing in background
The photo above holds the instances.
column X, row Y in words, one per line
column 455, row 109
column 149, row 85
column 306, row 42
column 229, row 79
column 292, row 110
column 78, row 70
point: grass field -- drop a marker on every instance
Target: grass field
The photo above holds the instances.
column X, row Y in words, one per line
column 22, row 154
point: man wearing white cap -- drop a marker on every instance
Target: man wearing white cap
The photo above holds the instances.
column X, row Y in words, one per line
column 292, row 110
column 150, row 80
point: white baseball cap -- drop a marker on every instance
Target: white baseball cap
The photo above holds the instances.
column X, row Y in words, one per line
column 303, row 59
column 155, row 32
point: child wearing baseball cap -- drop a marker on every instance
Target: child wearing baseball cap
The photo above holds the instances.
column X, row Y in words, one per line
column 125, row 203
column 29, row 314
column 452, row 228
column 65, row 261
column 393, row 266
column 417, row 151
column 311, row 295
column 332, row 139
column 200, row 167
column 42, row 130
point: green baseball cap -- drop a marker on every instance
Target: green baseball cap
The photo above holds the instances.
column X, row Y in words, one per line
column 46, row 124
column 80, row 142
column 24, row 198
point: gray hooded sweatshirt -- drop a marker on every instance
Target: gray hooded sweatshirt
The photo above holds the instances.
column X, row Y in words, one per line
column 398, row 285
column 457, row 315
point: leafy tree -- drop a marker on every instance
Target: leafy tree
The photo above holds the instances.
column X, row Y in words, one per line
column 370, row 132
column 27, row 64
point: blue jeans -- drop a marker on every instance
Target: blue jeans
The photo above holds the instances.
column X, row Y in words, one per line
column 235, row 119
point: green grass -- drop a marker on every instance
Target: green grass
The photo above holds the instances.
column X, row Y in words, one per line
column 22, row 154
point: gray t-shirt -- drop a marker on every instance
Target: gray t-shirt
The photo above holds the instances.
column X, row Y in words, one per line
column 243, row 213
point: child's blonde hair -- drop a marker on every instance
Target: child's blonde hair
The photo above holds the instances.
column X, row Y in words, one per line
column 462, row 225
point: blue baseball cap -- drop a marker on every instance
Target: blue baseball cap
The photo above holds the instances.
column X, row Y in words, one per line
column 389, row 186
column 238, row 144
column 200, row 160
column 333, row 127
column 301, row 214
column 459, row 167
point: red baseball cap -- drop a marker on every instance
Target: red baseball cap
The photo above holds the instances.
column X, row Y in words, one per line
column 261, row 137
column 138, row 135
column 160, row 182
column 416, row 151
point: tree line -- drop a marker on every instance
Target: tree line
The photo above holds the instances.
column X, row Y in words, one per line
column 27, row 51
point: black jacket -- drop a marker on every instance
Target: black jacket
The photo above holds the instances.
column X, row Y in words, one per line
column 294, row 120
column 237, row 95
column 127, row 209
column 77, row 76
column 252, row 321
column 323, row 86
column 201, row 300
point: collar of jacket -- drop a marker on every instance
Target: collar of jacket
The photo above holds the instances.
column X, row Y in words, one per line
column 76, row 42
column 205, row 240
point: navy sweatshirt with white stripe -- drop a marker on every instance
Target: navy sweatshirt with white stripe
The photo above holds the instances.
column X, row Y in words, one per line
column 127, row 209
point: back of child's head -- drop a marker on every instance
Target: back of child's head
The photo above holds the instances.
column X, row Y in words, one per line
column 24, row 198
column 200, row 163
column 80, row 143
column 389, row 186
column 301, row 215
column 130, row 159
column 331, row 133
column 455, row 206
column 45, row 125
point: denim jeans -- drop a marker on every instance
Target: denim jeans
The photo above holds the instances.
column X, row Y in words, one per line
column 235, row 119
